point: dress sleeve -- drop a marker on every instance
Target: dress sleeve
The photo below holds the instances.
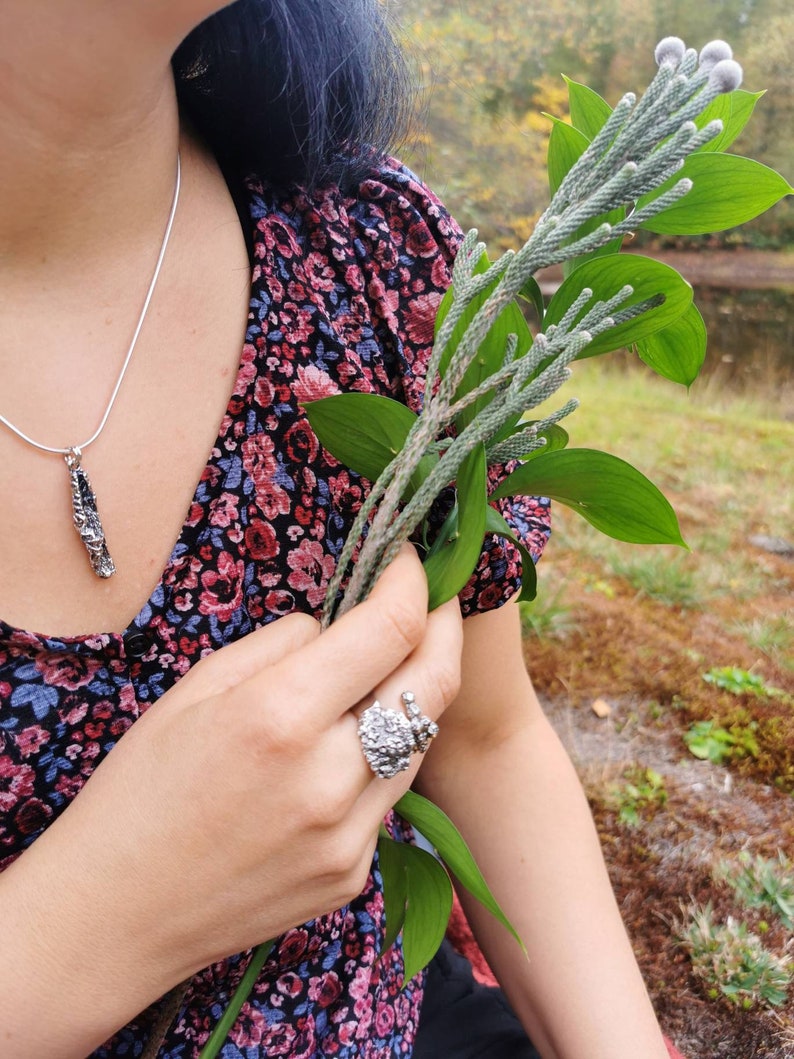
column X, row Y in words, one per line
column 406, row 242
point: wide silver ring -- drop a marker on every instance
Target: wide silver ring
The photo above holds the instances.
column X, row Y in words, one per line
column 388, row 738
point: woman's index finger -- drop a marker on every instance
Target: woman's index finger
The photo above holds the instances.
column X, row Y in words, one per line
column 366, row 644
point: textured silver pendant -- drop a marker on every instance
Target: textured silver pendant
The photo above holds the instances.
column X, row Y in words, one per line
column 86, row 517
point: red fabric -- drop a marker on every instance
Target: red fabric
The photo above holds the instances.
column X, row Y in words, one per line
column 461, row 937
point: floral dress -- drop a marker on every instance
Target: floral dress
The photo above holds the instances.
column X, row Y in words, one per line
column 344, row 293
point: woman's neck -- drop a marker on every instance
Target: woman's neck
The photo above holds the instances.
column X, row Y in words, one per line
column 89, row 127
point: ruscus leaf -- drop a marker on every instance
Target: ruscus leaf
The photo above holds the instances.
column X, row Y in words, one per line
column 566, row 146
column 490, row 354
column 532, row 293
column 438, row 829
column 611, row 494
column 605, row 277
column 677, row 351
column 734, row 110
column 450, row 566
column 589, row 111
column 395, row 887
column 496, row 523
column 427, row 910
column 364, row 431
column 727, row 190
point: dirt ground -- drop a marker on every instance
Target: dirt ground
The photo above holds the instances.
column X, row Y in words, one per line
column 646, row 660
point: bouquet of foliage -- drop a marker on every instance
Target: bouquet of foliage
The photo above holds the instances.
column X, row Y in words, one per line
column 656, row 163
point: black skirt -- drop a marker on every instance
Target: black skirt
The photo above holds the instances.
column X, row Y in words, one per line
column 462, row 1019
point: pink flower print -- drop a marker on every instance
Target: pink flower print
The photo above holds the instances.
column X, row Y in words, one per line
column 250, row 1027
column 387, row 299
column 384, row 1020
column 419, row 241
column 222, row 592
column 421, row 317
column 16, row 782
column 224, row 510
column 439, row 275
column 293, row 946
column 318, row 272
column 289, row 984
column 66, row 670
column 325, row 989
column 312, row 569
column 32, row 816
column 278, row 1039
column 354, row 279
column 263, row 392
column 347, row 1032
column 260, row 464
column 300, row 442
column 359, row 986
column 126, row 700
column 261, row 541
column 312, row 383
column 30, row 739
column 296, row 325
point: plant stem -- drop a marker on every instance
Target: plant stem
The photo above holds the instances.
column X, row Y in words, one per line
column 241, row 993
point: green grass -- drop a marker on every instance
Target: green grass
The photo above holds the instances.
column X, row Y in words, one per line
column 774, row 637
column 724, row 462
column 733, row 962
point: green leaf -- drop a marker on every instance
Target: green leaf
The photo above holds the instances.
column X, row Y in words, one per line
column 427, row 910
column 677, row 352
column 611, row 494
column 365, row 431
column 612, row 247
column 605, row 277
column 437, row 828
column 496, row 523
column 734, row 110
column 450, row 566
column 395, row 888
column 556, row 438
column 566, row 146
column 224, row 1027
column 589, row 111
column 728, row 190
column 490, row 355
column 532, row 293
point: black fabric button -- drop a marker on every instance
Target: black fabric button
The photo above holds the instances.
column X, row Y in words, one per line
column 136, row 643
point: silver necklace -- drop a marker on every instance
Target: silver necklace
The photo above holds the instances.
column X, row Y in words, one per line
column 84, row 506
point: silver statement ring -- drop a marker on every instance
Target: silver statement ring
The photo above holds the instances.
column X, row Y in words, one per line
column 388, row 738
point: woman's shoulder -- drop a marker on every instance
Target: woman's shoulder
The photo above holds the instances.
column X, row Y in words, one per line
column 386, row 203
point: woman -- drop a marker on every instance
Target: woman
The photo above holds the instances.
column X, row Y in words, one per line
column 240, row 807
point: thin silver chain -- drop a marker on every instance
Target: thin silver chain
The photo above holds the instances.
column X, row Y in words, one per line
column 69, row 448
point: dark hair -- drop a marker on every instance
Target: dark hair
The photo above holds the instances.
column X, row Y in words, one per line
column 294, row 90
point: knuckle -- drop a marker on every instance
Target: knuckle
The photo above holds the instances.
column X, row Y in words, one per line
column 406, row 621
column 305, row 627
column 445, row 680
column 328, row 805
column 352, row 868
column 269, row 731
column 341, row 860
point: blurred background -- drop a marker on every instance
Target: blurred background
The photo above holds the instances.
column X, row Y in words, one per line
column 489, row 71
column 668, row 673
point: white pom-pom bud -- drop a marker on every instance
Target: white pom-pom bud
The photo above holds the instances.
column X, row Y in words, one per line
column 714, row 52
column 669, row 51
column 726, row 76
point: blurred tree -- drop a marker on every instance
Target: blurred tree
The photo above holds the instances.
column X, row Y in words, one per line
column 489, row 71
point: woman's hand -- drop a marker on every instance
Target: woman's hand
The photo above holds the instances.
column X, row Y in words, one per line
column 240, row 805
